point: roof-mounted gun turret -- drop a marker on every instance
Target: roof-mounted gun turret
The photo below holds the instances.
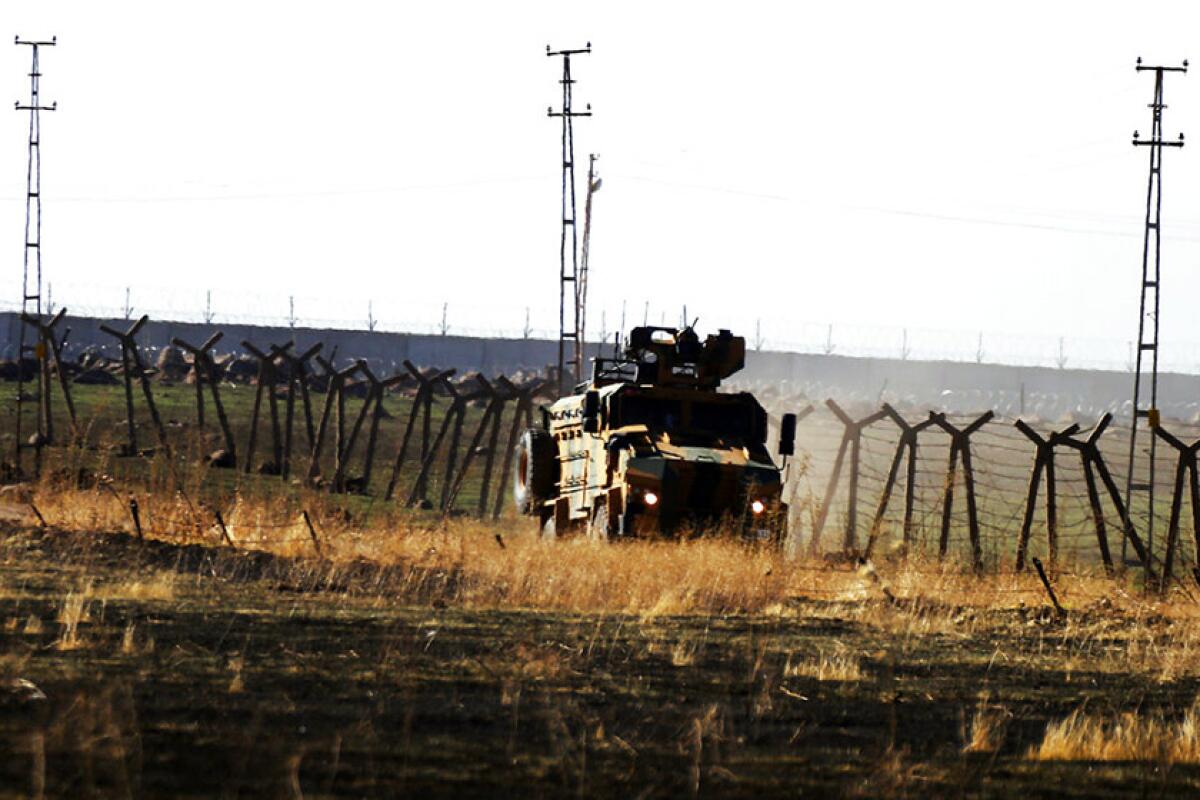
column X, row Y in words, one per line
column 673, row 357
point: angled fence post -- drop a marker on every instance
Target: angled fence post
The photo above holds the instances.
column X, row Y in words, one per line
column 422, row 404
column 1043, row 465
column 507, row 392
column 960, row 448
column 851, row 439
column 522, row 414
column 375, row 401
column 132, row 363
column 453, row 415
column 206, row 370
column 333, row 398
column 1185, row 470
column 54, row 345
column 297, row 381
column 1118, row 502
column 907, row 445
column 1089, row 453
column 455, row 441
column 494, row 402
column 268, row 379
column 343, row 442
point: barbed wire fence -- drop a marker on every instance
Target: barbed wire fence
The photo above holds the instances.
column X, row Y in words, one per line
column 1073, row 530
column 982, row 488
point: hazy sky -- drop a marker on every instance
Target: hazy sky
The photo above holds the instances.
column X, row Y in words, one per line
column 955, row 167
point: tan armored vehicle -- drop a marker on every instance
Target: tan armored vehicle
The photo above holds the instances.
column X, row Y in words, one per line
column 649, row 446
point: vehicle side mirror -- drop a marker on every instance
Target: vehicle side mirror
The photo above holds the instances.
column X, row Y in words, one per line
column 591, row 412
column 787, row 435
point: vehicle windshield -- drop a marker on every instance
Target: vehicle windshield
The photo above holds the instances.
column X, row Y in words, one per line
column 689, row 419
column 656, row 413
column 724, row 420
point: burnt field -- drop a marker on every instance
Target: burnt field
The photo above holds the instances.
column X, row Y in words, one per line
column 174, row 669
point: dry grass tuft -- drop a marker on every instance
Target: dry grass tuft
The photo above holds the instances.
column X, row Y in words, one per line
column 128, row 640
column 988, row 726
column 73, row 611
column 237, row 666
column 1126, row 737
column 838, row 665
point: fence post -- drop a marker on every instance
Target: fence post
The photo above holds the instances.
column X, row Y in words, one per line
column 455, row 411
column 131, row 361
column 297, row 365
column 1114, row 495
column 491, row 417
column 830, row 491
column 375, row 396
column 852, row 439
column 907, row 444
column 422, row 402
column 312, row 532
column 221, row 525
column 960, row 448
column 336, row 380
column 1089, row 450
column 52, row 343
column 198, row 380
column 206, row 369
column 508, row 392
column 452, row 450
column 522, row 412
column 1043, row 463
column 1185, row 469
column 135, row 512
column 318, row 444
column 268, row 379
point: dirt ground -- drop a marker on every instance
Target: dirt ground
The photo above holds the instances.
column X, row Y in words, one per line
column 177, row 670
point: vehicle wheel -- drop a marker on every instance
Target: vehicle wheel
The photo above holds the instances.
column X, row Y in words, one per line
column 598, row 529
column 535, row 473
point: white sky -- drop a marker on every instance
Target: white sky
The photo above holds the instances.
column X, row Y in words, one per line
column 943, row 167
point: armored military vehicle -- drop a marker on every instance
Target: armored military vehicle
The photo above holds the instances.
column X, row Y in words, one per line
column 650, row 446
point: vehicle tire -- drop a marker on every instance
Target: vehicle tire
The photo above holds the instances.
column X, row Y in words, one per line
column 535, row 471
column 598, row 530
column 549, row 531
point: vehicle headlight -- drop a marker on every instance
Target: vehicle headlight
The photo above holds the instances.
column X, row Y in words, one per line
column 758, row 506
column 650, row 498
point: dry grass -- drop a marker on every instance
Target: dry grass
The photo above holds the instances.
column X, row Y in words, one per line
column 158, row 586
column 483, row 565
column 648, row 578
column 838, row 665
column 878, row 616
column 74, row 610
column 988, row 726
column 1125, row 737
